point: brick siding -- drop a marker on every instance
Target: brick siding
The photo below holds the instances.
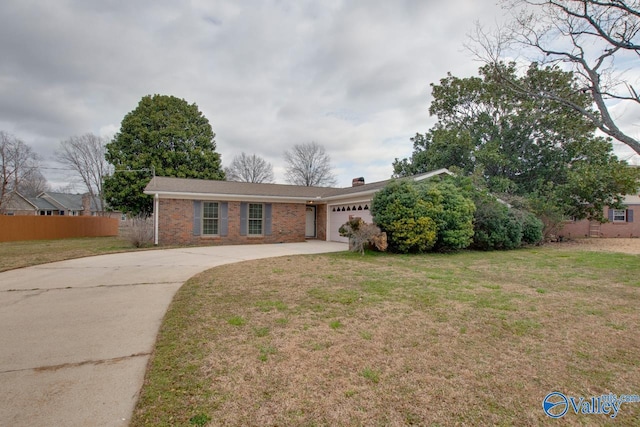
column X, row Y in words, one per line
column 581, row 228
column 175, row 225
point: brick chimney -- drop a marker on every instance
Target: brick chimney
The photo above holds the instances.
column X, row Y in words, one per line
column 86, row 204
column 357, row 182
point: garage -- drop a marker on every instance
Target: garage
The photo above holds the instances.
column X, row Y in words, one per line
column 339, row 214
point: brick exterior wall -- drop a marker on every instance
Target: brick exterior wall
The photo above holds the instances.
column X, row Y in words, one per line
column 581, row 228
column 175, row 225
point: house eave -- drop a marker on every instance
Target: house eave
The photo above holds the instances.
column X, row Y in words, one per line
column 352, row 196
column 231, row 197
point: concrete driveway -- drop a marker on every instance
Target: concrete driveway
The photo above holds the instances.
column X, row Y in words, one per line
column 76, row 336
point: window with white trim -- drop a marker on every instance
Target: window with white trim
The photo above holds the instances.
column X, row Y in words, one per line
column 255, row 219
column 210, row 218
column 619, row 215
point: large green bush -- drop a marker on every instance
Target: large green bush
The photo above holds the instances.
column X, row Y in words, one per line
column 455, row 220
column 531, row 229
column 495, row 226
column 421, row 216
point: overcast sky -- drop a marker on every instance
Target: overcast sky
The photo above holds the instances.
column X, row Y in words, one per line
column 351, row 75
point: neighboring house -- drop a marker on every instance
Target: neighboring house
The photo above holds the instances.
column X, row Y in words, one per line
column 622, row 222
column 17, row 204
column 51, row 203
column 193, row 211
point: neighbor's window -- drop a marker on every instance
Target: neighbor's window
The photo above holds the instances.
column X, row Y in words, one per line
column 210, row 219
column 255, row 219
column 619, row 215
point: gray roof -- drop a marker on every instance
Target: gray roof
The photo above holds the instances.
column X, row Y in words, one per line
column 189, row 188
column 161, row 184
column 42, row 204
column 70, row 202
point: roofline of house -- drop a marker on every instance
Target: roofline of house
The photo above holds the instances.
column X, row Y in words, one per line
column 339, row 197
column 54, row 202
column 26, row 199
column 350, row 195
column 229, row 197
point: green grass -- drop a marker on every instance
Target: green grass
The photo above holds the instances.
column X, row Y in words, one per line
column 470, row 338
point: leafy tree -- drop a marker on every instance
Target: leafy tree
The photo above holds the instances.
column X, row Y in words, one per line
column 309, row 165
column 597, row 39
column 519, row 145
column 249, row 168
column 164, row 134
column 85, row 154
column 421, row 216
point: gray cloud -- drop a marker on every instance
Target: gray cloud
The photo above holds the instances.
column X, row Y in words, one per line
column 351, row 75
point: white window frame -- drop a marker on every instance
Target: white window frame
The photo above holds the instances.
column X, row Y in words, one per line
column 255, row 219
column 619, row 215
column 215, row 218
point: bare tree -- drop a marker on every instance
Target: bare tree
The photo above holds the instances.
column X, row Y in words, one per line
column 599, row 40
column 33, row 183
column 17, row 163
column 309, row 165
column 85, row 154
column 249, row 168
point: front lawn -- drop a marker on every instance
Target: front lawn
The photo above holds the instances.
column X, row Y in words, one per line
column 34, row 252
column 471, row 338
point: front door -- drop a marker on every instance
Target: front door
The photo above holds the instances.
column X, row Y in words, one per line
column 311, row 222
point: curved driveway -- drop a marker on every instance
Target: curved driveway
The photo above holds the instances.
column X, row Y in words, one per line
column 76, row 336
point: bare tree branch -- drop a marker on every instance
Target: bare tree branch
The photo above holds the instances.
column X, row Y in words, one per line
column 590, row 37
column 85, row 154
column 309, row 165
column 249, row 168
column 18, row 163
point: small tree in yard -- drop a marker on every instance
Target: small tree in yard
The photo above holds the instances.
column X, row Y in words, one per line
column 361, row 234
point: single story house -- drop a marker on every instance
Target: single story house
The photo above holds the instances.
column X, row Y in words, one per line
column 194, row 211
column 622, row 222
column 51, row 203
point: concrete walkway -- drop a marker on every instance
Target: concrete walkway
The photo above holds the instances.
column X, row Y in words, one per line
column 76, row 336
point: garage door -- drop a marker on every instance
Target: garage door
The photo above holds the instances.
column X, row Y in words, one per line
column 339, row 214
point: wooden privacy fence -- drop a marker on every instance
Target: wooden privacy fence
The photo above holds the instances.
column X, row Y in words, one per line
column 14, row 228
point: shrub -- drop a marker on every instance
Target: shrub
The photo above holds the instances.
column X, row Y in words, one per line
column 499, row 227
column 421, row 216
column 455, row 221
column 495, row 228
column 531, row 229
column 140, row 231
column 413, row 235
column 361, row 234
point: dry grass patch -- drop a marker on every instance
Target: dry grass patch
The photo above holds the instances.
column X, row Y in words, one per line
column 34, row 252
column 463, row 339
